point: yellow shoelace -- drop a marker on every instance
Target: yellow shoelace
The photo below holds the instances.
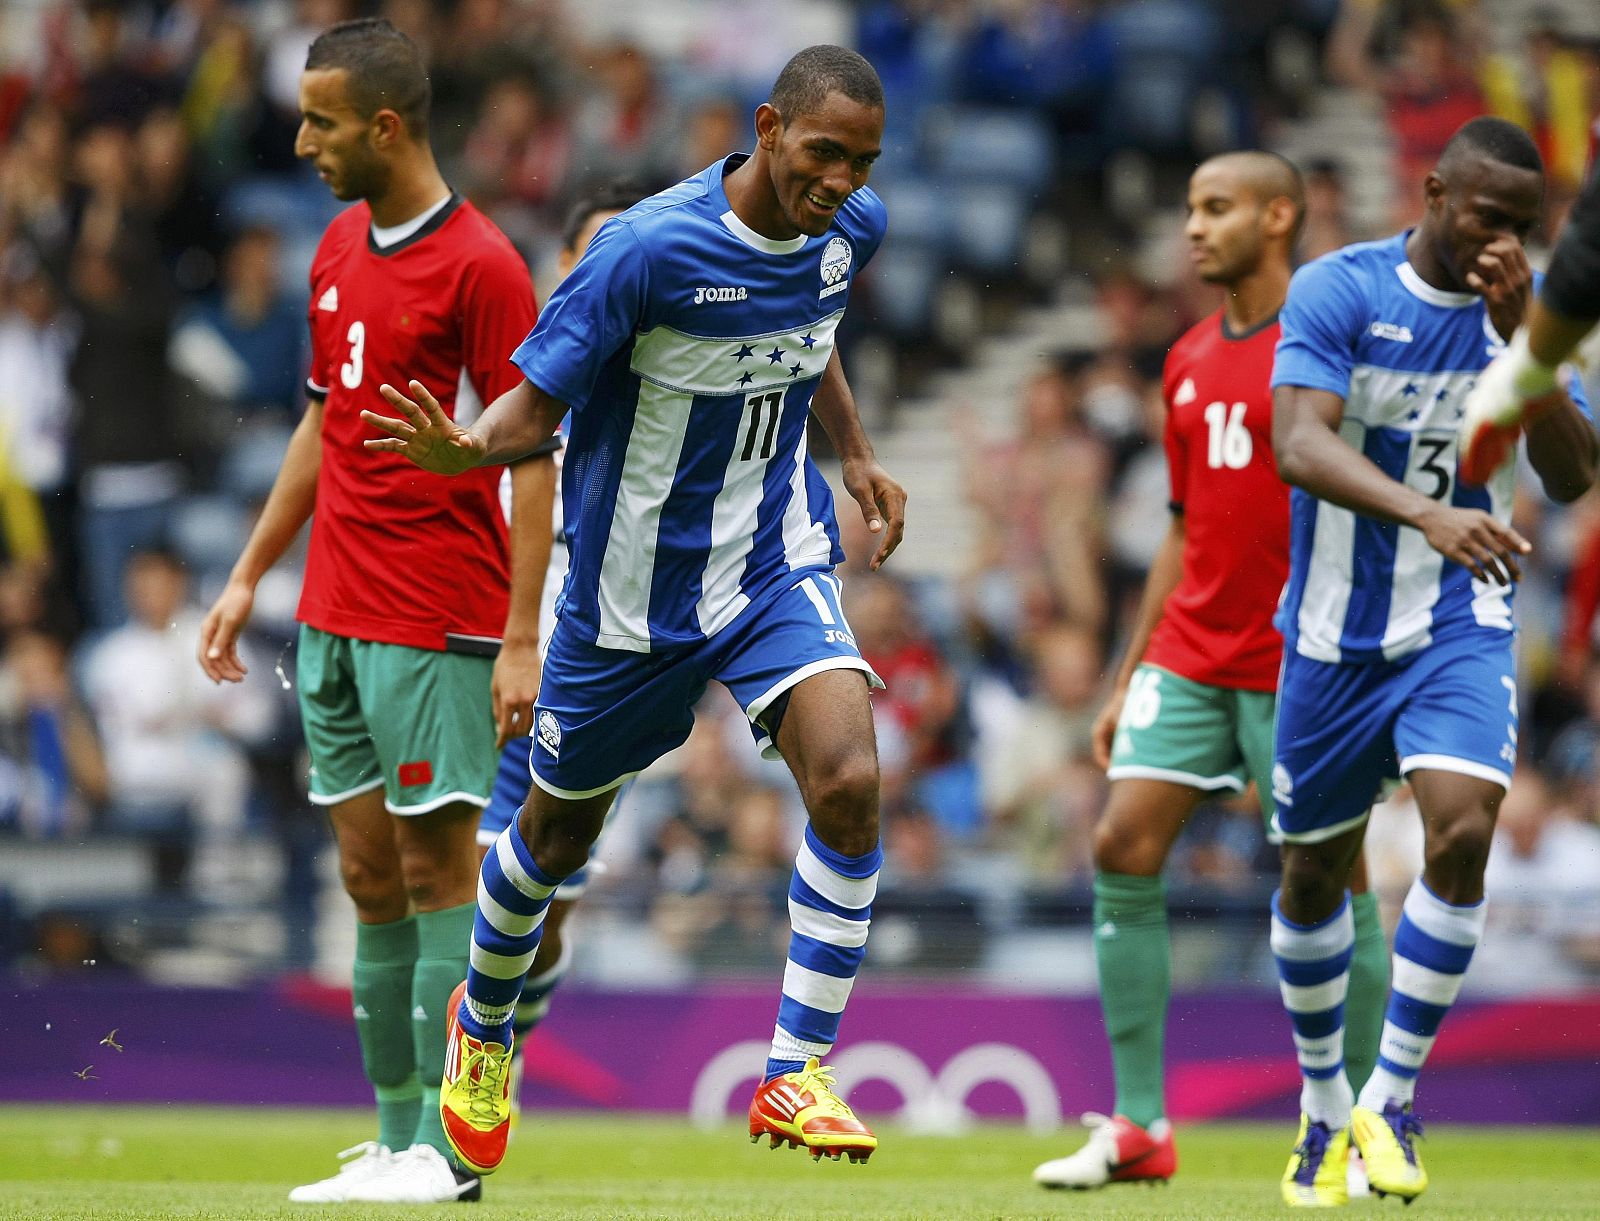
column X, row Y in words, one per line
column 819, row 1081
column 485, row 1086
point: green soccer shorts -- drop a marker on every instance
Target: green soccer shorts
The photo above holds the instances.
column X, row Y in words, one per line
column 418, row 722
column 1209, row 738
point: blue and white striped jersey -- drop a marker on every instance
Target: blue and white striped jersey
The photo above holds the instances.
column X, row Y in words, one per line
column 688, row 347
column 1361, row 323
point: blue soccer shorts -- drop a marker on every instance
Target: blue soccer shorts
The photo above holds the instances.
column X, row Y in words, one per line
column 1343, row 729
column 604, row 715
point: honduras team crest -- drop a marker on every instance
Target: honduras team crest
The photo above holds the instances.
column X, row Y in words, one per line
column 835, row 267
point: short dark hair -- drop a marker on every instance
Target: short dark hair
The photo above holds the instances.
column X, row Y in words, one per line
column 384, row 67
column 616, row 196
column 808, row 79
column 1495, row 140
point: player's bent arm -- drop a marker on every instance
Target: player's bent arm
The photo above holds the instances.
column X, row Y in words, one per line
column 515, row 684
column 882, row 500
column 518, row 422
column 1563, row 449
column 1311, row 456
column 515, row 424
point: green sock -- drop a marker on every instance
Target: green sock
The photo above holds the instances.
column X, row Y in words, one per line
column 386, row 959
column 444, row 940
column 1369, row 992
column 1130, row 944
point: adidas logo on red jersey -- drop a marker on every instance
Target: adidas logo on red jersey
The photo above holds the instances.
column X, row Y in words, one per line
column 329, row 299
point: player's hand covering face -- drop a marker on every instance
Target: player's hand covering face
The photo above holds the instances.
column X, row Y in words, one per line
column 1480, row 217
column 424, row 434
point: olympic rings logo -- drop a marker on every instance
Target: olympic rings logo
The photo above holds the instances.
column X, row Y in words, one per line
column 932, row 1102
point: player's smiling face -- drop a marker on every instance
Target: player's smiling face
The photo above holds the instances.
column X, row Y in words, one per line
column 1481, row 202
column 1224, row 226
column 336, row 139
column 817, row 160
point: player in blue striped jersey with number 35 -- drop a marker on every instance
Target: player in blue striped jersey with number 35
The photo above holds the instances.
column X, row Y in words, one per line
column 690, row 343
column 1397, row 624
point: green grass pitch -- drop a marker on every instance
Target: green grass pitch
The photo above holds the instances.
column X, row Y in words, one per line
column 117, row 1163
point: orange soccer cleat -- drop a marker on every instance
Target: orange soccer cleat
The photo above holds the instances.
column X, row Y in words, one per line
column 475, row 1098
column 801, row 1110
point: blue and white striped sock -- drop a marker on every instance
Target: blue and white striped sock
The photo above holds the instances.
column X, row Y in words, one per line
column 513, row 895
column 1313, row 977
column 830, row 910
column 1432, row 949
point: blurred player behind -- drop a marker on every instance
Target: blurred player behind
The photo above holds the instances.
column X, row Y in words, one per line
column 1192, row 710
column 405, row 588
column 540, row 500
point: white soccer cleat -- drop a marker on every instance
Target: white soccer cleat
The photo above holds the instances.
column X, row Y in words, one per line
column 418, row 1175
column 1117, row 1151
column 360, row 1162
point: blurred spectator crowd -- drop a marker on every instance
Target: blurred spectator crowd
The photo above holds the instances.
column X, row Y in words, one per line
column 155, row 232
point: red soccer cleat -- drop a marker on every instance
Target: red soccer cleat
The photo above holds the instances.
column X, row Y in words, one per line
column 802, row 1111
column 475, row 1097
column 1118, row 1151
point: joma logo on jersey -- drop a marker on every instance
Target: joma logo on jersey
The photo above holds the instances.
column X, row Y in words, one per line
column 702, row 295
column 1391, row 330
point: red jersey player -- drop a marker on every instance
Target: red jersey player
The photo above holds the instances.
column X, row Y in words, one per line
column 406, row 586
column 1192, row 710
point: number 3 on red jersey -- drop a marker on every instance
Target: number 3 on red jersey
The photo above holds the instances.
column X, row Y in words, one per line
column 350, row 371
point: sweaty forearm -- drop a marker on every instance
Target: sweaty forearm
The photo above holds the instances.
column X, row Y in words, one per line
column 1313, row 458
column 517, row 423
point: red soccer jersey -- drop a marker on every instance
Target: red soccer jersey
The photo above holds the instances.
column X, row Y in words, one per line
column 399, row 555
column 1217, row 628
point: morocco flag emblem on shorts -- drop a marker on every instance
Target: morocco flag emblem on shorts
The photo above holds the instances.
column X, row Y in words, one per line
column 420, row 772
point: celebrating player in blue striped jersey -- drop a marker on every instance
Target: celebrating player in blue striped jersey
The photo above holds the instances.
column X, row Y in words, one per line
column 1397, row 623
column 690, row 343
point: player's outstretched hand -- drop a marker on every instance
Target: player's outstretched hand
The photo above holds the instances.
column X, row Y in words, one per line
column 219, row 633
column 882, row 501
column 1485, row 547
column 514, row 687
column 1105, row 727
column 424, row 434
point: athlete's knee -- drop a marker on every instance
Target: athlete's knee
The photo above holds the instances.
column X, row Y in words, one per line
column 374, row 885
column 1458, row 846
column 843, row 803
column 846, row 788
column 558, row 838
column 1124, row 846
column 1311, row 887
